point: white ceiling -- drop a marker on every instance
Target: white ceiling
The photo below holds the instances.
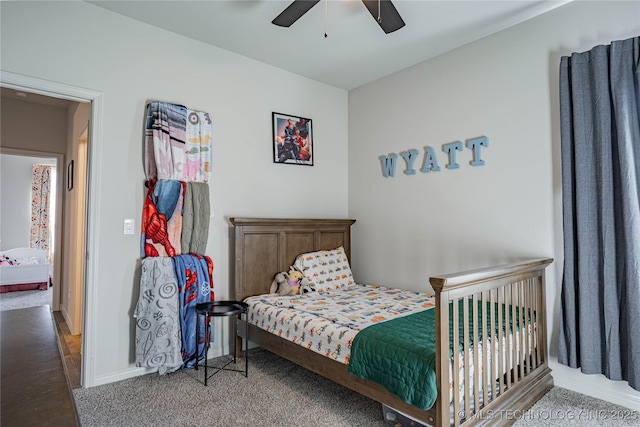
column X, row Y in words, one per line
column 356, row 50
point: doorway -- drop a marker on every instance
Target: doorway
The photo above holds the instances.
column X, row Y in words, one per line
column 28, row 184
column 93, row 101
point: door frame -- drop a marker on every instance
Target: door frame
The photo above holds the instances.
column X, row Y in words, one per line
column 95, row 98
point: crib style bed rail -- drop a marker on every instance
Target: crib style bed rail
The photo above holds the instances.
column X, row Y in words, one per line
column 495, row 307
column 502, row 310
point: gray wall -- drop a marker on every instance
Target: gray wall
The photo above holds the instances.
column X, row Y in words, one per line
column 117, row 57
column 504, row 87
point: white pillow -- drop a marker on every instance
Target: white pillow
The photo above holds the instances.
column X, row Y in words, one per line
column 327, row 270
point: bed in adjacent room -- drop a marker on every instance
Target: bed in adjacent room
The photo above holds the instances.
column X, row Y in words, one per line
column 395, row 346
column 24, row 269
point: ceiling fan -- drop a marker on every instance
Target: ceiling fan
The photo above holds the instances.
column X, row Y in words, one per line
column 383, row 11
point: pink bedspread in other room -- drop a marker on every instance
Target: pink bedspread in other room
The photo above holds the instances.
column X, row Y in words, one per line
column 43, row 286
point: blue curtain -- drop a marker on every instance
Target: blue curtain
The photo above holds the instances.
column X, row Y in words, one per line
column 600, row 140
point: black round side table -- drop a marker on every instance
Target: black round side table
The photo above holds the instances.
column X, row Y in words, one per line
column 221, row 309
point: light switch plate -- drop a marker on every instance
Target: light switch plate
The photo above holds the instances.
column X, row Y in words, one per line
column 128, row 226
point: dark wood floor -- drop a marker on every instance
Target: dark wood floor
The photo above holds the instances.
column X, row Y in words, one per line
column 71, row 346
column 34, row 389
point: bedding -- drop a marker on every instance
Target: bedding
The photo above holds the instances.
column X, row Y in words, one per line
column 6, row 260
column 24, row 268
column 327, row 322
column 327, row 270
column 400, row 354
column 376, row 331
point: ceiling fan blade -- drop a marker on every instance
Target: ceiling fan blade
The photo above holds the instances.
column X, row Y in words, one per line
column 390, row 19
column 293, row 12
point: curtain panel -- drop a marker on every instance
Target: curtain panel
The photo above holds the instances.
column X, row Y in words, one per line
column 600, row 144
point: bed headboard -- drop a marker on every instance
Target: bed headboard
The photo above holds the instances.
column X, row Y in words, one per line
column 262, row 247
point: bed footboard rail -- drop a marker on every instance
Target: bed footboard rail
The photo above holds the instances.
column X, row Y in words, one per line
column 492, row 329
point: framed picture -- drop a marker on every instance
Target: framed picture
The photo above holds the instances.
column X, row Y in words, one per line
column 292, row 140
column 70, row 176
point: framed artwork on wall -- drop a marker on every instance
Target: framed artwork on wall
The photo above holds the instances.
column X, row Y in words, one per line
column 70, row 176
column 292, row 140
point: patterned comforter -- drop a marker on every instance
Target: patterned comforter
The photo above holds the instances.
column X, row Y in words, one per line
column 327, row 322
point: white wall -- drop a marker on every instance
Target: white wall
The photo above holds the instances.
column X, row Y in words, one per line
column 130, row 63
column 503, row 87
column 31, row 127
column 15, row 203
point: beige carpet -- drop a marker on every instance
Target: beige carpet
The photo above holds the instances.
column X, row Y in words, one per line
column 279, row 393
column 562, row 408
column 276, row 393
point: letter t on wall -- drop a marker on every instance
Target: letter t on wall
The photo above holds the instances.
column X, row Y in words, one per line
column 451, row 149
column 475, row 144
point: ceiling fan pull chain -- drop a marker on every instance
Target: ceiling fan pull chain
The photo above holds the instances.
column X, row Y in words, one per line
column 379, row 17
column 326, row 8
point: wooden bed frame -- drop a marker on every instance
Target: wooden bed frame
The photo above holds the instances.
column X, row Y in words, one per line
column 261, row 247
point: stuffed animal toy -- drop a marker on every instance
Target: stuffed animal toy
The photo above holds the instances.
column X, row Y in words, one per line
column 280, row 284
column 294, row 281
column 306, row 285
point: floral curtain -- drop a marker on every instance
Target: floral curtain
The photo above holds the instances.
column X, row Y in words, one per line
column 40, row 204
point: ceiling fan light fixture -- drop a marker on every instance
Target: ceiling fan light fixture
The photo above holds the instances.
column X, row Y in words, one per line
column 383, row 11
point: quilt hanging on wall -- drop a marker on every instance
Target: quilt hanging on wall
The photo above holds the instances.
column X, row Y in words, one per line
column 178, row 143
column 176, row 275
column 177, row 162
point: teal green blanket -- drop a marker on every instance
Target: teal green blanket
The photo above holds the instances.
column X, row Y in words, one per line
column 400, row 354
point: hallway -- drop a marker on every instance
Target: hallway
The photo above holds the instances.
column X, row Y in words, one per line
column 34, row 389
column 71, row 348
column 70, row 345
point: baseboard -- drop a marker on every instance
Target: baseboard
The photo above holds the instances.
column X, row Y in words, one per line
column 135, row 371
column 596, row 386
column 67, row 318
column 122, row 375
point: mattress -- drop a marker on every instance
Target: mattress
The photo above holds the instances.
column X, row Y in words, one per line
column 327, row 322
